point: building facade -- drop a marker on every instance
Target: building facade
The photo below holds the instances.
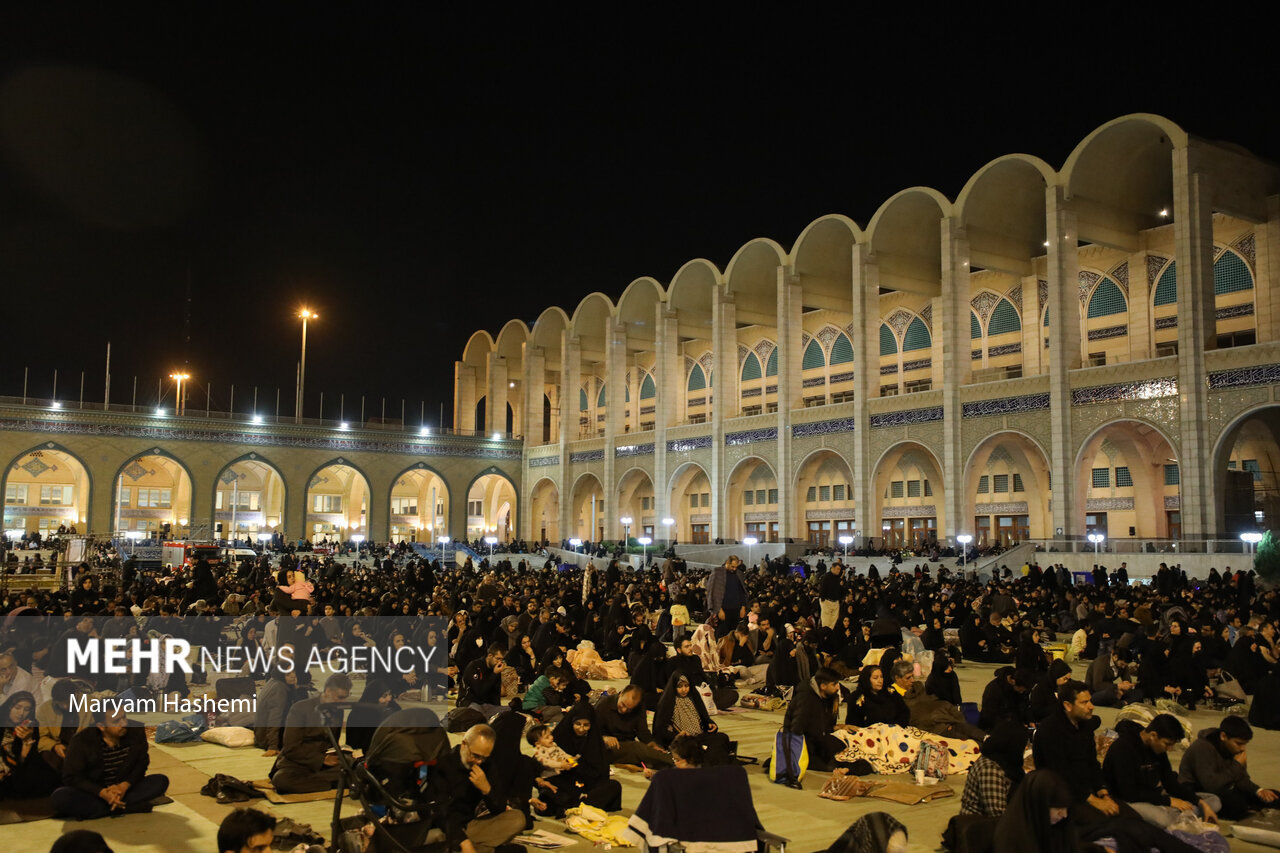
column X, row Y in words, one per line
column 209, row 475
column 1055, row 352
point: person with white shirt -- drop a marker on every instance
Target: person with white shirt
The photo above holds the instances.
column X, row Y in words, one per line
column 15, row 679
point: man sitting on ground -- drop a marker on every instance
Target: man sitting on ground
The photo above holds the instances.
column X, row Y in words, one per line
column 462, row 775
column 1138, row 771
column 106, row 771
column 625, row 726
column 481, row 686
column 305, row 764
column 1216, row 763
column 812, row 713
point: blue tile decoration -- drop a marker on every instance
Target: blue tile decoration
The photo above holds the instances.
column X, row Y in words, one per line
column 1108, row 333
column 1170, row 322
column 907, row 417
column 1263, row 374
column 1005, row 405
column 918, row 364
column 830, row 427
column 586, row 456
column 888, row 369
column 1147, row 389
column 1004, row 349
column 813, row 382
column 544, row 461
column 1227, row 313
column 842, row 377
column 975, row 354
column 251, row 437
column 624, row 450
column 685, row 445
column 750, row 436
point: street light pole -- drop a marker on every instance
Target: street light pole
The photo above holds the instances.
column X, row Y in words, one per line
column 964, row 539
column 749, row 541
column 644, row 543
column 1096, row 539
column 179, row 401
column 305, row 314
column 845, row 540
column 626, row 526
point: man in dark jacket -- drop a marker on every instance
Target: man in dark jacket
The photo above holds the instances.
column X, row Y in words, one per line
column 625, row 727
column 1064, row 743
column 461, row 772
column 1005, row 698
column 1216, row 763
column 305, row 764
column 830, row 591
column 812, row 713
column 1138, row 771
column 687, row 663
column 727, row 596
column 106, row 771
column 481, row 686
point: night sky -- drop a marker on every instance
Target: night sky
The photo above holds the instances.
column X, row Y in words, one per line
column 414, row 177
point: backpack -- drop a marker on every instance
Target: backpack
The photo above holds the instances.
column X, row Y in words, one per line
column 933, row 760
column 790, row 759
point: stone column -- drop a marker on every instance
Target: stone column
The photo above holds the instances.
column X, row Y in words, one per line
column 570, row 383
column 535, row 378
column 790, row 303
column 1197, row 331
column 724, row 350
column 667, row 407
column 1266, row 237
column 1141, row 328
column 495, row 408
column 615, row 377
column 1032, row 331
column 951, row 328
column 464, row 397
column 866, row 324
column 1064, row 356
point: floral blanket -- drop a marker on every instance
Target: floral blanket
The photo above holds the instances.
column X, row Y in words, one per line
column 892, row 749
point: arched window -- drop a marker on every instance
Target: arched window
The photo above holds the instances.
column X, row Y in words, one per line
column 813, row 356
column 697, row 379
column 1004, row 319
column 917, row 336
column 888, row 343
column 600, row 398
column 582, row 400
column 1231, row 274
column 975, row 327
column 1107, row 300
column 771, row 366
column 648, row 390
column 841, row 349
column 751, row 368
column 1167, row 286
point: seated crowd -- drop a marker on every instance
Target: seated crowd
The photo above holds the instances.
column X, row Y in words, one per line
column 844, row 653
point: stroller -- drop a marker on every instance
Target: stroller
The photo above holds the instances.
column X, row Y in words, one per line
column 394, row 781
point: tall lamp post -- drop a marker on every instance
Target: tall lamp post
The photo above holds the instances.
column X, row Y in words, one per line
column 1097, row 539
column 443, row 540
column 1250, row 541
column 645, row 542
column 667, row 522
column 626, row 526
column 749, row 541
column 305, row 314
column 179, row 401
column 846, row 541
column 575, row 544
column 964, row 539
column 491, row 540
column 885, row 530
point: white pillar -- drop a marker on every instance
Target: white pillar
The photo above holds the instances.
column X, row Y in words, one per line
column 724, row 350
column 951, row 328
column 1064, row 356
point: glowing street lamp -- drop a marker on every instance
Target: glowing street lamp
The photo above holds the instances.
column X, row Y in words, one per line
column 443, row 540
column 492, row 540
column 749, row 541
column 575, row 544
column 964, row 539
column 179, row 398
column 1251, row 541
column 645, row 542
column 846, row 541
column 305, row 314
column 1097, row 539
column 626, row 525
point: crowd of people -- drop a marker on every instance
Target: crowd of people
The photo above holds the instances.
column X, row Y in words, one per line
column 842, row 651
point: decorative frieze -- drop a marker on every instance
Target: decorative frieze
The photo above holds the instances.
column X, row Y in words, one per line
column 907, row 417
column 1148, row 389
column 624, row 450
column 685, row 445
column 750, row 436
column 1005, row 405
column 823, row 427
column 1263, row 374
column 544, row 461
column 586, row 456
column 922, row 511
column 1105, row 504
column 1108, row 333
column 1006, row 508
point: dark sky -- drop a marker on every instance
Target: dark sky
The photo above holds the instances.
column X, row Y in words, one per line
column 415, row 177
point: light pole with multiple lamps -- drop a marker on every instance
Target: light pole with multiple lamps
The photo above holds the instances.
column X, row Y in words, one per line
column 964, row 539
column 179, row 399
column 1097, row 539
column 305, row 314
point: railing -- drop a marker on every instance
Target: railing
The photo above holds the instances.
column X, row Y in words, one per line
column 1144, row 546
column 197, row 413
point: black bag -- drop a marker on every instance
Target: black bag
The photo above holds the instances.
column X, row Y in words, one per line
column 724, row 697
column 460, row 719
column 229, row 789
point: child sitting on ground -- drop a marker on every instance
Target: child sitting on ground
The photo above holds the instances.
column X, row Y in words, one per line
column 548, row 753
